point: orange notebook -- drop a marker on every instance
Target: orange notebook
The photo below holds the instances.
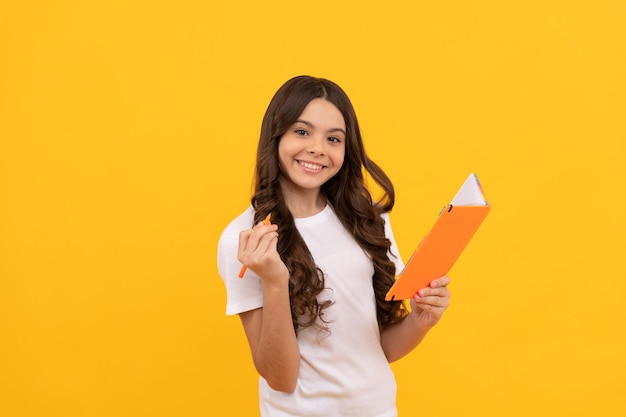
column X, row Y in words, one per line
column 441, row 247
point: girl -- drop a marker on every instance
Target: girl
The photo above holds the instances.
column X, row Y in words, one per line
column 312, row 299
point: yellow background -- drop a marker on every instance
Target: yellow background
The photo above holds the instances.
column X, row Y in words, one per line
column 127, row 138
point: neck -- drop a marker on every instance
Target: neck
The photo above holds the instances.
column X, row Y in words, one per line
column 303, row 203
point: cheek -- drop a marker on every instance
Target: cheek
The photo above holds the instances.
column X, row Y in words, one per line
column 340, row 158
column 286, row 147
column 282, row 153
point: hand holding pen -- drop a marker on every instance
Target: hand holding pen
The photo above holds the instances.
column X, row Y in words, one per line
column 266, row 222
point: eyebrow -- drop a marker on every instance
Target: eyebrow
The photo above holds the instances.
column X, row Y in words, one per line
column 309, row 124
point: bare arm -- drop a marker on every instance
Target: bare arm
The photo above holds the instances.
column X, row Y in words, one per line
column 269, row 329
column 427, row 306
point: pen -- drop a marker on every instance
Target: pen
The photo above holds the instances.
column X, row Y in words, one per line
column 265, row 223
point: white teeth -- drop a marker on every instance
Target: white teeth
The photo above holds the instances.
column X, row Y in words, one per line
column 308, row 165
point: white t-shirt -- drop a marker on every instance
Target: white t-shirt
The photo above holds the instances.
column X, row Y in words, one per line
column 344, row 373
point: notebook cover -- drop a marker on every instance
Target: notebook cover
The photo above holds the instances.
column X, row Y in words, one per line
column 439, row 250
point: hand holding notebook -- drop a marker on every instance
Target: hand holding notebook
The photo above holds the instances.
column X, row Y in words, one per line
column 442, row 246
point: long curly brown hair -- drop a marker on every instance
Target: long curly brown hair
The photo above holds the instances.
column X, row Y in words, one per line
column 346, row 192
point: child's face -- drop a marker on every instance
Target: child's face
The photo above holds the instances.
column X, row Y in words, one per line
column 313, row 149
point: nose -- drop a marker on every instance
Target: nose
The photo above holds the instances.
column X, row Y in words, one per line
column 315, row 145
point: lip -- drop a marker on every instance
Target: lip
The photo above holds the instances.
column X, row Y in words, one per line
column 303, row 165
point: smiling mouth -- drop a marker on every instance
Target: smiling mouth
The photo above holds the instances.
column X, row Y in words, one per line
column 310, row 166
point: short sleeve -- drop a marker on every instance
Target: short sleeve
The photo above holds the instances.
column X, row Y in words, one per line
column 242, row 294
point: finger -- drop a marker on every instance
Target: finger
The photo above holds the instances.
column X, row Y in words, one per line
column 256, row 234
column 432, row 301
column 248, row 242
column 436, row 292
column 426, row 307
column 440, row 282
column 265, row 258
column 439, row 291
column 264, row 235
column 244, row 238
column 431, row 308
column 258, row 225
column 426, row 294
column 267, row 243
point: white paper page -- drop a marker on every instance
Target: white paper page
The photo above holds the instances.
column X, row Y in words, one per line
column 470, row 193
